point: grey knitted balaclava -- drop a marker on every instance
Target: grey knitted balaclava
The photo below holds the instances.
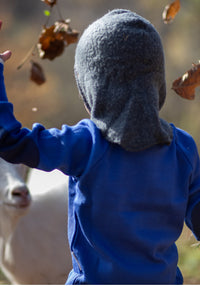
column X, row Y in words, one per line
column 119, row 69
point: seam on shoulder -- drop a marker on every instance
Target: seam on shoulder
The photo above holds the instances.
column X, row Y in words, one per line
column 100, row 158
column 101, row 155
column 179, row 147
column 85, row 123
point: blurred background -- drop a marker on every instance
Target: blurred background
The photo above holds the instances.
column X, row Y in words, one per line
column 57, row 101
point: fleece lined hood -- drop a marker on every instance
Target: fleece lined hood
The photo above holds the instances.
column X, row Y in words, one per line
column 119, row 69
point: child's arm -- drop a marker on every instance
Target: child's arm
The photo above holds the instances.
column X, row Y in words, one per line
column 193, row 208
column 67, row 149
column 195, row 221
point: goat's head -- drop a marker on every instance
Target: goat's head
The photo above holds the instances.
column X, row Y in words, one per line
column 14, row 193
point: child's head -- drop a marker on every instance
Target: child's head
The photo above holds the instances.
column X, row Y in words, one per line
column 119, row 68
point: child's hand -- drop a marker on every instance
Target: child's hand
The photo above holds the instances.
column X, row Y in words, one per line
column 7, row 54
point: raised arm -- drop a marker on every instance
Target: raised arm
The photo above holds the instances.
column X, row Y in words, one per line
column 67, row 149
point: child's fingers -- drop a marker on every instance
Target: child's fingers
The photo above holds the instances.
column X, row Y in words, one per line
column 5, row 56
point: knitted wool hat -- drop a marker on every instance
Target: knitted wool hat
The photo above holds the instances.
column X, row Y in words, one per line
column 119, row 69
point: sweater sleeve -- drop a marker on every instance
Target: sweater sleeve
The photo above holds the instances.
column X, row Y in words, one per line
column 3, row 96
column 67, row 149
column 193, row 208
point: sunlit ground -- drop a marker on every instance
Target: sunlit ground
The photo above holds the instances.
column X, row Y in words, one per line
column 189, row 257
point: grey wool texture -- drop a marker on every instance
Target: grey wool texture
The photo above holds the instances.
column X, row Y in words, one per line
column 120, row 73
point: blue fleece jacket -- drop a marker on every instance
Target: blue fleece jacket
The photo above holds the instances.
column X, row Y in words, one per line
column 126, row 209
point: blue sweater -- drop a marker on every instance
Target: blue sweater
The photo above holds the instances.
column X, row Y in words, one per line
column 126, row 209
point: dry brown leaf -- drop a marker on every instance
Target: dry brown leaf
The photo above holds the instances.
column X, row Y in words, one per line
column 53, row 40
column 50, row 2
column 50, row 44
column 70, row 35
column 37, row 73
column 185, row 85
column 170, row 11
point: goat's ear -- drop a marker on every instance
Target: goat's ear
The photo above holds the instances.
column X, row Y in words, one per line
column 23, row 171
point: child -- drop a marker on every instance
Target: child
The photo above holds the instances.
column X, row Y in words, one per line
column 134, row 178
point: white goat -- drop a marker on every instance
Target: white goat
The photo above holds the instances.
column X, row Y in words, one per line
column 33, row 226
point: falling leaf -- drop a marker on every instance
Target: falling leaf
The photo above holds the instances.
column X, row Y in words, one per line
column 54, row 39
column 50, row 44
column 170, row 11
column 37, row 74
column 47, row 13
column 50, row 2
column 185, row 85
column 70, row 35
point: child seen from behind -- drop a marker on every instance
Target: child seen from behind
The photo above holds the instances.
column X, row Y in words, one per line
column 133, row 177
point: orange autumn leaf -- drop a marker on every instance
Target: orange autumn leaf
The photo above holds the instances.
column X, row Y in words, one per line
column 170, row 11
column 37, row 74
column 50, row 2
column 185, row 85
column 54, row 39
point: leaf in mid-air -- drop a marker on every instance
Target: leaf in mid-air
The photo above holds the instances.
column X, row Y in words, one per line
column 37, row 73
column 70, row 35
column 54, row 39
column 170, row 11
column 47, row 13
column 185, row 85
column 50, row 2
